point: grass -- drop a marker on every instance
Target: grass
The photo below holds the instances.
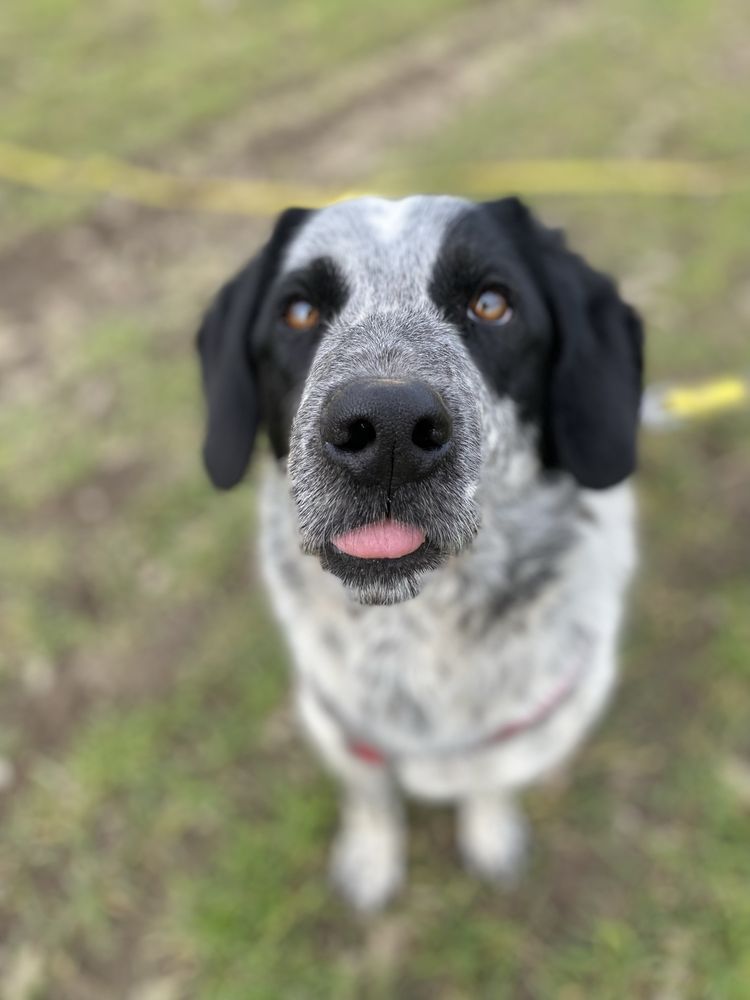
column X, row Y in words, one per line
column 131, row 77
column 165, row 833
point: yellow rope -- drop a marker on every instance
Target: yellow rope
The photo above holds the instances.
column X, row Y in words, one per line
column 697, row 401
column 243, row 196
column 238, row 196
column 669, row 404
column 106, row 175
column 643, row 177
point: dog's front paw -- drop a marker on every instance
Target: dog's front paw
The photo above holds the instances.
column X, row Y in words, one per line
column 493, row 839
column 367, row 865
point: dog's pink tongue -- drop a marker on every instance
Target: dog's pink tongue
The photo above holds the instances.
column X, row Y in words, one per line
column 387, row 540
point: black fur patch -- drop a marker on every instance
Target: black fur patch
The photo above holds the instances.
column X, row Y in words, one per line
column 282, row 356
column 515, row 358
column 571, row 357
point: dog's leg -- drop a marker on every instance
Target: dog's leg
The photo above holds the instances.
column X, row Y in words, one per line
column 368, row 856
column 492, row 837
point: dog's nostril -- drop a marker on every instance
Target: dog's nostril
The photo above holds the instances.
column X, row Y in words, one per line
column 356, row 436
column 430, row 434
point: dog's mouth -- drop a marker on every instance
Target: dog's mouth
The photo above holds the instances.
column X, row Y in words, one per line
column 387, row 539
column 382, row 562
column 384, row 548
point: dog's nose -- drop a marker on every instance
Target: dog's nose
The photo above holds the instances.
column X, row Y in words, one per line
column 386, row 432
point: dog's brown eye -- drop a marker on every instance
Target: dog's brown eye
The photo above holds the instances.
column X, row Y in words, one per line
column 491, row 306
column 301, row 315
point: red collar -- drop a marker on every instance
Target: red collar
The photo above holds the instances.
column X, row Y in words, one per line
column 372, row 754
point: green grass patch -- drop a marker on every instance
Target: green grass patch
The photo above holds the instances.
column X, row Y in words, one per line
column 127, row 77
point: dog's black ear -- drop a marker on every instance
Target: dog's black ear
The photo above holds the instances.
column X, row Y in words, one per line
column 597, row 378
column 597, row 373
column 226, row 360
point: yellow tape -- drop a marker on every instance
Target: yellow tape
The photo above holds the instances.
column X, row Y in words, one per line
column 697, row 401
column 106, row 175
column 642, row 177
column 244, row 196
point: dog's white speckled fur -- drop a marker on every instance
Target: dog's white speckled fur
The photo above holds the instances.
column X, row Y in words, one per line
column 422, row 679
column 428, row 678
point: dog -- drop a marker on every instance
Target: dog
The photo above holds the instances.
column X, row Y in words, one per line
column 447, row 524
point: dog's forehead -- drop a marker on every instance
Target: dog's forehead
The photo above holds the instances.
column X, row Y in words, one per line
column 378, row 243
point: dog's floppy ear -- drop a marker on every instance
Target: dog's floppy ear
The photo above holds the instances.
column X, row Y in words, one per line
column 597, row 379
column 226, row 364
column 597, row 372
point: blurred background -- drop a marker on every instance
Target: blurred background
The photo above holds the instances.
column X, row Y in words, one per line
column 163, row 830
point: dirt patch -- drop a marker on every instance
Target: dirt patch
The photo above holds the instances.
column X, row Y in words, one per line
column 52, row 701
column 104, row 495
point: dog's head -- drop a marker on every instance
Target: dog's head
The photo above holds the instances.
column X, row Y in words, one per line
column 402, row 354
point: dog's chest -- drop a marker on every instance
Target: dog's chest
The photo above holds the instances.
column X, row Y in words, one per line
column 428, row 673
column 488, row 637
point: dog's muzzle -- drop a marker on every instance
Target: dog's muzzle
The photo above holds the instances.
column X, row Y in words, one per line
column 385, row 433
column 385, row 454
